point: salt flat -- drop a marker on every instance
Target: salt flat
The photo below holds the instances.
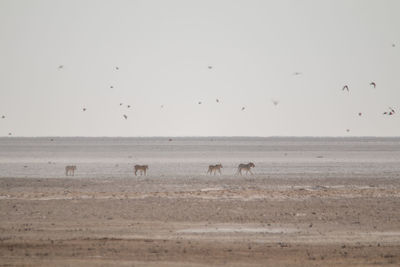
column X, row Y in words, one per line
column 297, row 210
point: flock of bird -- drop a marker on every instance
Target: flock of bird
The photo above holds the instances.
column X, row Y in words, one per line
column 275, row 102
column 346, row 87
column 111, row 87
column 373, row 84
column 391, row 111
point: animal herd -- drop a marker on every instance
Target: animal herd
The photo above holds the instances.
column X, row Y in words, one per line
column 212, row 169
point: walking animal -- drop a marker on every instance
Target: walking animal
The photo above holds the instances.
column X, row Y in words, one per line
column 70, row 170
column 214, row 169
column 141, row 168
column 247, row 167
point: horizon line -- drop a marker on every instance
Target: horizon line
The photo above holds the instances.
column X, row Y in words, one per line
column 203, row 136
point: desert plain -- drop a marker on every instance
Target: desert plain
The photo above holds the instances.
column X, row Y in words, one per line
column 342, row 217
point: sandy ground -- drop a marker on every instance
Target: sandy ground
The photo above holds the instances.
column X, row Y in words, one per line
column 200, row 221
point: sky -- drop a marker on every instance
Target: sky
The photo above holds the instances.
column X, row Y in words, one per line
column 163, row 50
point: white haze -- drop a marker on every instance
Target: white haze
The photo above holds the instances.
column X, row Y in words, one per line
column 163, row 50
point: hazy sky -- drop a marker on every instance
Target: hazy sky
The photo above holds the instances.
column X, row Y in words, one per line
column 163, row 50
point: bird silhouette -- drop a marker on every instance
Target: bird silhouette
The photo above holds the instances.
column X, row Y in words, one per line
column 243, row 108
column 9, row 133
column 373, row 84
column 345, row 88
column 117, row 68
column 275, row 102
column 3, row 117
column 111, row 87
column 199, row 102
column 121, row 104
column 83, row 109
column 391, row 112
column 126, row 117
column 297, row 73
column 162, row 106
column 210, row 67
column 347, row 130
column 128, row 106
column 217, row 100
column 393, row 45
column 60, row 67
column 359, row 113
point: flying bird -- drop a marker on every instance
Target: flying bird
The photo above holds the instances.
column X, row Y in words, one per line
column 126, row 117
column 391, row 112
column 60, row 67
column 393, row 45
column 345, row 88
column 128, row 106
column 373, row 84
column 297, row 73
column 210, row 67
column 3, row 117
column 111, row 87
column 121, row 104
column 275, row 102
column 83, row 109
column 199, row 102
column 347, row 130
column 217, row 100
column 162, row 106
column 243, row 108
column 9, row 133
column 117, row 68
column 359, row 113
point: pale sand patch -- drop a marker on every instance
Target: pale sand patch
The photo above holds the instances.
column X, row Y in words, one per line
column 213, row 193
column 237, row 229
column 212, row 189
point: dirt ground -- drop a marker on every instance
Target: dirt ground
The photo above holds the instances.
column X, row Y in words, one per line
column 200, row 221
